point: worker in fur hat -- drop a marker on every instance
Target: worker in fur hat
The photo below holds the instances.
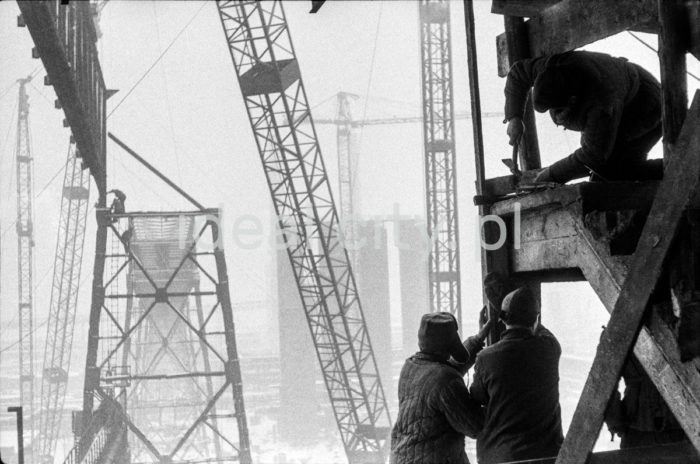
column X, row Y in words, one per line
column 517, row 382
column 615, row 104
column 435, row 408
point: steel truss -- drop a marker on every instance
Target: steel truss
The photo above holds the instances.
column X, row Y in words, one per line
column 25, row 260
column 440, row 159
column 166, row 346
column 347, row 159
column 64, row 300
column 268, row 74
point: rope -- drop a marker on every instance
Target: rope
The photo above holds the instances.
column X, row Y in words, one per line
column 158, row 59
column 639, row 39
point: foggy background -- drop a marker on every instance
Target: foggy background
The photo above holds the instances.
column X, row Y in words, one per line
column 187, row 118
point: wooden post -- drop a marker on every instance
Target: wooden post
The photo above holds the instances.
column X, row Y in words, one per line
column 495, row 259
column 518, row 49
column 673, row 43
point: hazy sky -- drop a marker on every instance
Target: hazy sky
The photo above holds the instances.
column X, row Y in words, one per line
column 187, row 118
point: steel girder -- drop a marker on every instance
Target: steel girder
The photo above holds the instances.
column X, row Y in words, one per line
column 347, row 160
column 64, row 300
column 25, row 260
column 440, row 158
column 277, row 106
column 166, row 350
column 65, row 39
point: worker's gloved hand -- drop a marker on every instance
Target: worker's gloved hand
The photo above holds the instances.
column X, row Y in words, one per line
column 473, row 345
column 544, row 175
column 515, row 130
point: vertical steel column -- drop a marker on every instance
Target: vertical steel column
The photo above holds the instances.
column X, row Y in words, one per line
column 346, row 174
column 440, row 159
column 64, row 300
column 171, row 365
column 25, row 261
column 274, row 95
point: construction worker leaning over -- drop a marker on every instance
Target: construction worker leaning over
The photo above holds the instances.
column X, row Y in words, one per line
column 436, row 410
column 615, row 104
column 517, row 381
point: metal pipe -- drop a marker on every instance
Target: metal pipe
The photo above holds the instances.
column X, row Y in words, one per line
column 20, row 433
column 474, row 96
column 156, row 172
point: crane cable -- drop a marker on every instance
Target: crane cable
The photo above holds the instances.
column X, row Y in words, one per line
column 158, row 59
column 640, row 40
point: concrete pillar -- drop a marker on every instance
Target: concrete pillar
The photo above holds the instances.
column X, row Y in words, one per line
column 413, row 275
column 298, row 415
column 372, row 277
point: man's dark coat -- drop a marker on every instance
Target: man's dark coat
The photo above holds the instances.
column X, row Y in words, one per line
column 517, row 381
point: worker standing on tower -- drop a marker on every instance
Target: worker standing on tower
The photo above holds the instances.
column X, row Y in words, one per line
column 517, row 381
column 436, row 410
column 615, row 104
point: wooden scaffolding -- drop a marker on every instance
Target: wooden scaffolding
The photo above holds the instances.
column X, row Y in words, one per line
column 566, row 233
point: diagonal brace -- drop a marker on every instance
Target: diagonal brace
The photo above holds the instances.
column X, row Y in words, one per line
column 680, row 183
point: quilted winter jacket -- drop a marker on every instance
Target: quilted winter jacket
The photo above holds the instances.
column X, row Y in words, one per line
column 435, row 413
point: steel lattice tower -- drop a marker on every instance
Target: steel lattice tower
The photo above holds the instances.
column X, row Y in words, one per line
column 163, row 355
column 25, row 262
column 346, row 145
column 440, row 169
column 274, row 95
column 64, row 300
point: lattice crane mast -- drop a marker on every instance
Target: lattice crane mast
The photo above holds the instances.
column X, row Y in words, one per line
column 276, row 102
column 64, row 300
column 440, row 159
column 25, row 261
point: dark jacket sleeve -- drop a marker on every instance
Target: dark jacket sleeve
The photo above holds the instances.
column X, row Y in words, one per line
column 463, row 413
column 597, row 141
column 545, row 333
column 520, row 80
column 478, row 389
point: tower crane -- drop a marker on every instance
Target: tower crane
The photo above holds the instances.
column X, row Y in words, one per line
column 277, row 106
column 25, row 245
column 64, row 300
column 440, row 158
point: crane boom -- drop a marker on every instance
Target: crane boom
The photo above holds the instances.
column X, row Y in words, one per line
column 278, row 109
column 25, row 245
column 396, row 119
column 64, row 300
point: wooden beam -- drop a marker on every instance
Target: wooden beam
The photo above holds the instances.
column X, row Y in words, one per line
column 571, row 24
column 523, row 8
column 673, row 43
column 693, row 20
column 673, row 453
column 656, row 347
column 518, row 49
column 680, row 182
column 659, row 454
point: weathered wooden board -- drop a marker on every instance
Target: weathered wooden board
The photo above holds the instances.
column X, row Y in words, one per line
column 571, row 24
column 679, row 184
column 524, row 8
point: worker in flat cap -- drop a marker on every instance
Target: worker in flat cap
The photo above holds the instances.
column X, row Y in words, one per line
column 436, row 410
column 615, row 104
column 517, row 382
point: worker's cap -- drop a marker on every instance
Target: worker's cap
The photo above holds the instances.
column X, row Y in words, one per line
column 438, row 335
column 520, row 307
column 554, row 87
